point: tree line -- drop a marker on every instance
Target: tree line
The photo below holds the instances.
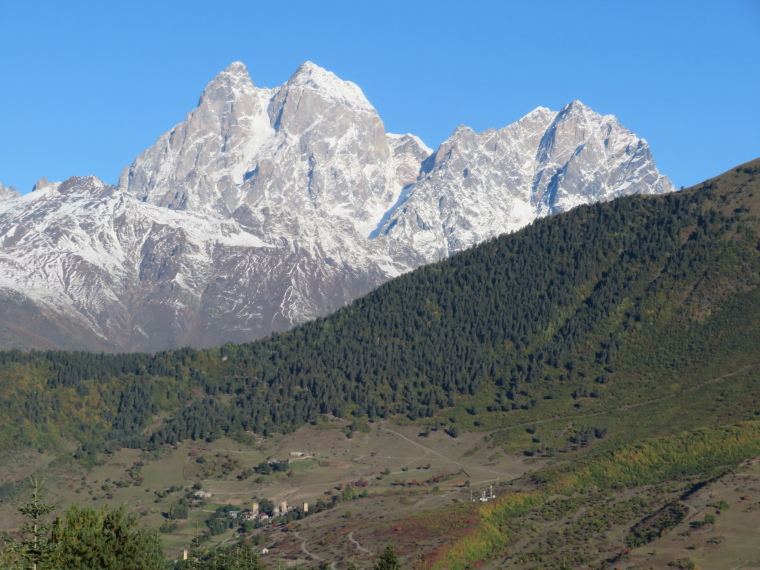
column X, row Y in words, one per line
column 551, row 304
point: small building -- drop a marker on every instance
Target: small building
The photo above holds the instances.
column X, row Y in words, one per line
column 281, row 509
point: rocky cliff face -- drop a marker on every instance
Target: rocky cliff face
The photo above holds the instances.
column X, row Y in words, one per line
column 268, row 207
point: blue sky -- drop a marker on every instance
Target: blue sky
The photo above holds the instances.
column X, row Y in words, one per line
column 87, row 86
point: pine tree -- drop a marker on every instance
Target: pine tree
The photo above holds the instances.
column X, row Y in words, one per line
column 35, row 547
column 85, row 538
column 245, row 558
column 387, row 560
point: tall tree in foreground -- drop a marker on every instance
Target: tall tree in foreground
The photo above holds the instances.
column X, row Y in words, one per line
column 34, row 548
column 86, row 538
column 240, row 557
column 82, row 538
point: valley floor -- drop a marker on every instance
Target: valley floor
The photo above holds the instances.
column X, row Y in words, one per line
column 405, row 472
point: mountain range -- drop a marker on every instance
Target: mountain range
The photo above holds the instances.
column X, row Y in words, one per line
column 265, row 208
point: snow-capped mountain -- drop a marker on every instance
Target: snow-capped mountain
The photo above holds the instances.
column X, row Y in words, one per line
column 268, row 207
column 478, row 185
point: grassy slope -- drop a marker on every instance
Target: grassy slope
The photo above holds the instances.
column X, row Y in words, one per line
column 649, row 338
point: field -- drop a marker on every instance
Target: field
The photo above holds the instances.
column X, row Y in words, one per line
column 413, row 488
column 394, row 461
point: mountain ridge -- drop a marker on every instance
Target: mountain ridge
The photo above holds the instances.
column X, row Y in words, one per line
column 326, row 206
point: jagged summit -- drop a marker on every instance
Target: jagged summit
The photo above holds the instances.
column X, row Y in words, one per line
column 576, row 106
column 478, row 185
column 228, row 85
column 268, row 207
column 581, row 115
column 539, row 111
column 41, row 184
column 8, row 192
column 410, row 136
column 193, row 166
column 311, row 77
column 237, row 68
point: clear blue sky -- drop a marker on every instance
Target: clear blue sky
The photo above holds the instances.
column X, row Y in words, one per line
column 87, row 86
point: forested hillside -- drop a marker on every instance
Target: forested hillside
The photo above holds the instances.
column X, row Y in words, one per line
column 608, row 305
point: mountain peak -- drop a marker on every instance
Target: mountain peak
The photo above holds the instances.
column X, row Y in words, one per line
column 576, row 107
column 310, row 67
column 236, row 68
column 40, row 184
column 539, row 111
column 577, row 104
column 329, row 86
column 8, row 192
column 577, row 112
column 88, row 183
column 310, row 70
column 228, row 84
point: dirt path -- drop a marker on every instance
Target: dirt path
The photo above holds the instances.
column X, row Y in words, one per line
column 311, row 554
column 356, row 543
column 434, row 452
column 689, row 390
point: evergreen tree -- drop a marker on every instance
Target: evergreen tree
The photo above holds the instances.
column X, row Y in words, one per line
column 34, row 547
column 244, row 557
column 387, row 560
column 85, row 538
column 10, row 557
column 195, row 554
